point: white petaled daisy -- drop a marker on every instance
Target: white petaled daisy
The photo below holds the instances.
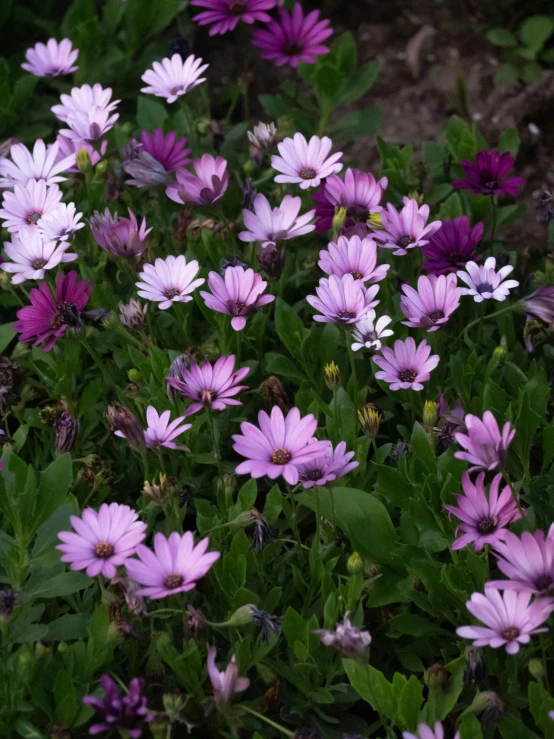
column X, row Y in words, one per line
column 82, row 99
column 368, row 332
column 31, row 256
column 40, row 165
column 61, row 223
column 25, row 206
column 89, row 126
column 169, row 280
column 305, row 162
column 484, row 282
column 174, row 77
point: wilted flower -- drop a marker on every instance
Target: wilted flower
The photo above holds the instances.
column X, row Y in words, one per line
column 432, row 304
column 452, row 246
column 160, row 432
column 263, row 136
column 406, row 366
column 127, row 714
column 234, row 261
column 26, row 205
column 174, row 77
column 329, row 465
column 348, row 640
column 474, row 670
column 359, row 193
column 406, row 229
column 369, row 419
column 268, row 226
column 353, row 256
column 545, row 208
column 122, row 420
column 271, row 259
column 157, row 492
column 484, row 282
column 342, row 300
column 168, row 281
column 205, row 187
column 527, row 562
column 485, row 446
column 487, row 175
column 67, row 429
column 225, row 684
column 305, row 162
column 225, row 14
column 426, row 732
column 121, row 237
column 31, row 256
column 237, row 294
column 273, row 392
column 368, row 332
column 267, row 622
column 51, row 59
column 135, row 604
column 262, row 533
column 196, row 623
column 42, row 164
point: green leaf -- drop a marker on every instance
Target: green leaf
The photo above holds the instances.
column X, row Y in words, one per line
column 422, row 447
column 150, row 113
column 506, row 73
column 275, row 105
column 55, row 484
column 451, row 207
column 27, row 730
column 65, row 584
column 414, row 625
column 277, row 364
column 536, row 30
column 410, row 703
column 372, row 686
column 289, row 327
column 7, row 333
column 502, row 37
column 68, row 627
column 358, row 85
column 363, row 122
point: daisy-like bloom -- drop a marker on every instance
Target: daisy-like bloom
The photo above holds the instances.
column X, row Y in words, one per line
column 342, row 299
column 485, row 446
column 42, row 164
column 509, row 619
column 527, row 562
column 305, row 162
column 160, row 432
column 540, row 304
column 452, row 246
column 167, row 149
column 89, row 126
column 103, row 539
column 327, row 466
column 487, row 175
column 51, row 59
column 145, row 171
column 368, row 332
column 294, row 38
column 406, row 366
column 48, row 317
column 485, row 283
column 432, row 304
column 484, row 518
column 426, row 732
column 406, row 229
column 67, row 147
column 269, row 225
column 121, row 237
column 237, row 293
column 26, row 205
column 125, row 714
column 31, row 256
column 353, row 256
column 348, row 640
column 83, row 99
column 225, row 14
column 225, row 684
column 279, row 446
column 360, row 193
column 174, row 77
column 263, row 136
column 168, row 281
column 173, row 567
column 60, row 224
column 205, row 187
column 133, row 315
column 209, row 387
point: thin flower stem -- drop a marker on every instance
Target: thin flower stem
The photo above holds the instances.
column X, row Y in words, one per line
column 318, row 513
column 494, row 217
column 352, row 362
column 275, row 725
column 507, row 309
column 166, row 610
column 215, row 440
column 97, row 360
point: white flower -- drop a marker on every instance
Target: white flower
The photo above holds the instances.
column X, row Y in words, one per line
column 368, row 332
column 168, row 281
column 61, row 223
column 40, row 165
column 484, row 283
column 31, row 256
column 173, row 77
column 305, row 163
column 82, row 99
column 263, row 136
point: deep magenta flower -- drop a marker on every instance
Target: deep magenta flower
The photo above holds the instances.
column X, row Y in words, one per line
column 170, row 280
column 160, row 432
column 342, row 300
column 293, row 38
column 304, row 162
column 426, row 732
column 405, row 229
column 269, row 225
column 432, row 304
column 487, row 175
column 42, row 164
column 527, row 562
column 121, row 237
column 51, row 59
column 173, row 567
column 407, row 365
column 25, row 206
column 327, row 466
column 485, row 283
column 360, row 193
column 167, row 149
column 279, row 446
column 124, row 713
column 452, row 246
column 225, row 684
column 237, row 293
column 205, row 187
column 540, row 304
column 483, row 518
column 84, row 98
column 48, row 317
column 103, row 540
column 174, row 77
column 485, row 446
column 31, row 256
column 353, row 256
column 225, row 14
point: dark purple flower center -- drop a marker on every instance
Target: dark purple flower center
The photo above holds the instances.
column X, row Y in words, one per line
column 491, row 185
column 544, row 582
column 171, row 293
column 237, row 8
column 356, row 275
column 177, row 89
column 403, row 241
column 67, row 314
column 237, row 307
column 487, row 525
column 314, row 475
column 207, row 396
column 484, row 287
column 33, row 218
column 308, row 173
column 104, row 550
column 38, row 263
column 359, row 213
column 280, row 456
column 408, row 375
column 510, row 633
column 293, row 49
column 173, row 581
column 436, row 315
column 346, row 315
column 455, row 258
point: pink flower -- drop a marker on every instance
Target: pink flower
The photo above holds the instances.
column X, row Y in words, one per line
column 327, row 466
column 121, row 237
column 406, row 366
column 305, row 162
column 168, row 281
column 160, row 431
column 406, row 229
column 204, row 188
column 51, row 59
column 225, row 14
column 89, row 126
column 42, row 164
column 83, row 99
column 268, row 226
column 359, row 193
column 103, row 541
column 25, row 206
column 31, row 256
column 527, row 562
column 353, row 256
column 167, row 149
column 225, row 684
column 485, row 446
column 426, row 732
column 342, row 300
column 237, row 294
column 432, row 304
column 174, row 77
column 174, row 566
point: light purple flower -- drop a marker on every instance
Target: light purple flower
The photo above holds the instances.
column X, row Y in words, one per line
column 432, row 304
column 168, row 281
column 348, row 640
column 487, row 175
column 51, row 59
column 31, row 256
column 225, row 14
column 484, row 282
column 279, row 446
column 406, row 366
column 360, row 193
column 342, row 300
column 353, row 256
column 237, row 294
column 483, row 518
column 174, row 566
column 368, row 332
column 69, row 147
column 269, row 225
column 89, row 126
column 82, row 99
column 166, row 149
column 540, row 304
column 485, row 446
column 104, row 539
column 527, row 562
column 121, row 237
column 305, row 162
column 145, row 171
column 405, row 229
column 426, row 732
column 174, row 77
column 225, row 684
column 509, row 619
column 126, row 713
column 160, row 431
column 263, row 136
column 42, row 164
column 327, row 466
column 205, row 187
column 452, row 246
column 61, row 223
column 25, row 206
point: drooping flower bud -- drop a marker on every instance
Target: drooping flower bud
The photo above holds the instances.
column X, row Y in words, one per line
column 122, row 419
column 67, row 429
column 121, row 237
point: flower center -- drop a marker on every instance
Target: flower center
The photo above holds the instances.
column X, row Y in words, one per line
column 455, row 257
column 239, row 307
column 237, row 8
column 69, row 314
column 293, row 49
column 173, row 581
column 356, row 275
column 510, row 633
column 307, row 173
column 484, row 287
column 38, row 263
column 403, row 241
column 280, row 456
column 358, row 213
column 33, row 218
column 487, row 525
column 314, row 475
column 103, row 550
column 346, row 315
column 171, row 293
column 408, row 375
column 177, row 89
column 207, row 396
column 436, row 315
column 491, row 185
column 543, row 582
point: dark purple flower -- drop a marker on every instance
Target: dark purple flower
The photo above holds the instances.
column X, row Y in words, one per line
column 125, row 713
column 360, row 193
column 540, row 304
column 225, row 14
column 122, row 237
column 487, row 175
column 452, row 246
column 168, row 150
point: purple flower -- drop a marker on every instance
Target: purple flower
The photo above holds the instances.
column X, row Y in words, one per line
column 121, row 237
column 486, row 175
column 210, row 387
column 540, row 304
column 509, row 619
column 168, row 281
column 485, row 447
column 160, row 431
column 61, row 223
column 225, row 14
column 48, row 317
column 342, row 300
column 360, row 193
column 103, row 541
column 268, row 226
column 89, row 126
column 42, row 164
column 173, row 567
column 263, row 136
column 368, row 332
column 293, row 38
column 483, row 518
column 484, row 282
column 168, row 150
column 432, row 304
column 225, row 684
column 31, row 256
column 236, row 294
column 51, row 59
column 452, row 246
column 346, row 639
column 353, row 256
column 426, row 732
column 405, row 229
column 406, row 366
column 174, row 77
column 208, row 185
column 26, row 205
column 527, row 562
column 305, row 162
column 127, row 713
column 279, row 446
column 83, row 99
column 327, row 466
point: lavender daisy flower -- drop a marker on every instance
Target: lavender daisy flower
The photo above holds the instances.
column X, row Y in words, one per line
column 205, row 187
column 89, row 126
column 406, row 366
column 31, row 256
column 174, row 77
column 485, row 446
column 126, row 714
column 305, row 162
column 225, row 684
column 487, row 175
column 406, row 229
column 368, row 332
column 353, row 256
column 293, row 38
column 328, row 466
column 452, row 246
column 121, row 237
column 360, row 193
column 83, row 99
column 104, row 539
column 67, row 147
column 210, row 387
column 237, row 294
column 279, row 447
column 26, row 205
column 527, row 562
column 61, row 223
column 426, row 732
column 42, row 164
column 509, row 619
column 173, row 567
column 263, row 136
column 348, row 640
column 432, row 304
column 540, row 304
column 225, row 14
column 485, row 283
column 145, row 171
column 268, row 226
column 48, row 317
column 484, row 519
column 133, row 314
column 342, row 300
column 168, row 281
column 160, row 431
column 167, row 149
column 51, row 59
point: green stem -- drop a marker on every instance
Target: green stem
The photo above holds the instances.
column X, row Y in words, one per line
column 494, row 217
column 166, row 610
column 275, row 725
column 348, row 339
column 215, row 440
column 318, row 513
column 507, row 309
column 97, row 360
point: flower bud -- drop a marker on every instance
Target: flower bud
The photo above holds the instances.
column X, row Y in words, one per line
column 355, row 563
column 158, row 726
column 369, row 419
column 48, row 415
column 273, row 392
column 248, row 194
column 102, row 166
column 419, row 198
column 429, row 414
column 263, row 136
column 174, row 703
column 241, row 616
column 499, row 353
column 488, row 706
column 121, row 419
column 536, row 668
column 134, row 375
column 84, row 165
column 331, row 375
column 436, row 677
column 227, row 484
column 271, row 259
column 133, row 314
column 59, row 732
column 155, row 669
column 156, row 491
column 9, row 599
column 67, row 429
column 374, row 221
column 339, row 218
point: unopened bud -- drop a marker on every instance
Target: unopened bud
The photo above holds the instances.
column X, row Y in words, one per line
column 121, row 419
column 158, row 726
column 415, row 195
column 227, row 484
column 241, row 616
column 133, row 314
column 374, row 221
column 339, row 218
column 271, row 259
column 355, row 563
column 84, row 164
column 499, row 353
column 174, row 703
column 436, row 677
column 156, row 491
column 67, row 430
column 331, row 374
column 536, row 668
column 102, row 166
column 155, row 668
column 430, row 414
column 370, row 420
column 134, row 375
